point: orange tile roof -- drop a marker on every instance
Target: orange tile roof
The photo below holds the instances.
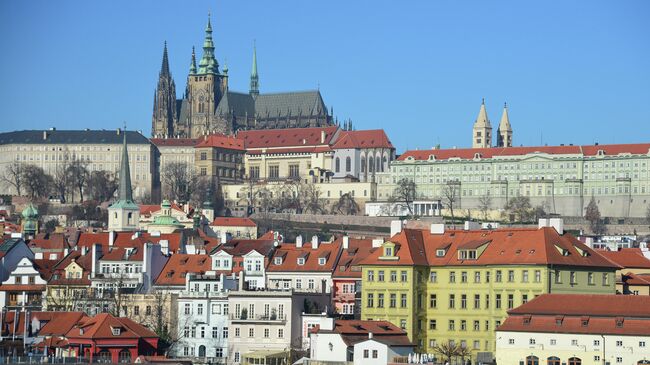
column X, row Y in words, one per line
column 505, row 247
column 49, row 241
column 627, row 258
column 636, row 279
column 558, row 313
column 179, row 265
column 147, row 209
column 469, row 153
column 123, row 239
column 372, row 138
column 355, row 331
column 240, row 247
column 100, row 327
column 221, row 141
column 348, row 264
column 61, row 323
column 290, row 254
column 123, row 254
column 178, row 142
column 233, row 222
column 268, row 138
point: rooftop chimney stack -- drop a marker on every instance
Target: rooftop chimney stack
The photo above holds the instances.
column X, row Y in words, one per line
column 437, row 228
column 396, row 227
column 346, row 242
column 377, row 242
column 299, row 241
column 314, row 242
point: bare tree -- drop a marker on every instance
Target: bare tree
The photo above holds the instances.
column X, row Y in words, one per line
column 463, row 352
column 447, row 350
column 62, row 182
column 647, row 215
column 78, row 171
column 520, row 208
column 311, row 200
column 484, row 204
column 36, row 182
column 592, row 214
column 404, row 194
column 101, row 185
column 13, row 176
column 346, row 205
column 179, row 181
column 450, row 195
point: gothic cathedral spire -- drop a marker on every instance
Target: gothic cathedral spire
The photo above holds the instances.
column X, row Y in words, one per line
column 482, row 131
column 208, row 62
column 504, row 133
column 164, row 103
column 255, row 87
column 193, row 63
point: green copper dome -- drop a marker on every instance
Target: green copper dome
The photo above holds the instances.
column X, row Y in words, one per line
column 166, row 204
column 30, row 211
column 165, row 220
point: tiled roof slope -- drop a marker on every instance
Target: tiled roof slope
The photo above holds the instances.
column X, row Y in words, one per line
column 469, row 153
column 290, row 254
column 267, row 138
column 502, row 247
column 174, row 142
column 627, row 258
column 179, row 265
column 372, row 138
column 348, row 264
column 233, row 222
column 99, row 327
column 355, row 331
column 221, row 141
column 124, row 239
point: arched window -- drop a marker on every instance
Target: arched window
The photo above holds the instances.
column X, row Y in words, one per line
column 553, row 360
column 363, row 164
column 378, row 162
column 104, row 356
column 532, row 360
column 124, row 356
column 383, row 164
column 201, row 351
column 371, row 164
column 348, row 164
column 575, row 361
column 337, row 165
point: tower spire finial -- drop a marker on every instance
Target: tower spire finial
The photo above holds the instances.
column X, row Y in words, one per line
column 164, row 69
column 126, row 193
column 208, row 62
column 254, row 87
column 193, row 63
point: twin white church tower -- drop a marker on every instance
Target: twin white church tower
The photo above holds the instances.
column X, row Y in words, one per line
column 482, row 133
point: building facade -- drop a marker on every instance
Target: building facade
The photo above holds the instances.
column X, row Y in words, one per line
column 561, row 179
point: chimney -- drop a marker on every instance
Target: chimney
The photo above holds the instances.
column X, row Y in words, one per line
column 119, row 131
column 314, row 242
column 44, row 135
column 472, row 226
column 346, row 242
column 112, row 235
column 224, row 237
column 377, row 242
column 558, row 224
column 66, row 251
column 543, row 222
column 322, row 136
column 437, row 228
column 241, row 280
column 96, row 255
column 396, row 227
column 299, row 241
column 370, row 335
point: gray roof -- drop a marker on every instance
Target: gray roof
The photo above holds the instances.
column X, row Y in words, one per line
column 71, row 136
column 291, row 103
column 183, row 109
column 304, row 103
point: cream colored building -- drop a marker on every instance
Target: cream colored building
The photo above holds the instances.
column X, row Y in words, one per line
column 241, row 228
column 175, row 150
column 100, row 149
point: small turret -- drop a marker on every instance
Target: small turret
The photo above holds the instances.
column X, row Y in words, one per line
column 193, row 63
column 482, row 131
column 254, row 87
column 504, row 133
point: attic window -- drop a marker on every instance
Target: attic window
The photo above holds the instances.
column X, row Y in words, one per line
column 322, row 261
column 477, row 156
column 558, row 320
column 467, row 255
column 115, row 331
column 301, row 261
column 388, row 251
column 277, row 261
column 600, row 153
column 584, row 321
column 440, row 252
column 619, row 322
column 527, row 320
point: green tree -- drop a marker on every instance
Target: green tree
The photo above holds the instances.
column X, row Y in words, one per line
column 592, row 214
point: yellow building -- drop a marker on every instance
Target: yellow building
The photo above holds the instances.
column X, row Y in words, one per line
column 441, row 285
column 69, row 286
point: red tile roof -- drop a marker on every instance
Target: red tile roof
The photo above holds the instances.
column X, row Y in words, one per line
column 596, row 314
column 470, row 153
column 505, row 247
column 100, row 327
column 627, row 258
column 636, row 279
column 124, row 239
column 290, row 254
column 49, row 241
column 147, row 209
column 61, row 323
column 179, row 265
column 355, row 331
column 373, row 138
column 233, row 222
column 222, row 141
column 348, row 264
column 179, row 142
column 268, row 138
column 85, row 261
column 123, row 254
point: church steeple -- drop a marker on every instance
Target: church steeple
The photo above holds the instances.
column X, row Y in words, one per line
column 164, row 102
column 504, row 133
column 255, row 87
column 124, row 214
column 208, row 63
column 482, row 131
column 193, row 63
column 164, row 69
column 126, row 193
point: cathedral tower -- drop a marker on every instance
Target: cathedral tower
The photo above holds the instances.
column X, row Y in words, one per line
column 205, row 88
column 482, row 133
column 164, row 101
column 124, row 214
column 504, row 133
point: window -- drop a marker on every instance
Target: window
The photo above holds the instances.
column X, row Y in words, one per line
column 224, row 332
column 511, row 276
column 463, row 325
column 403, row 301
column 575, row 361
column 553, row 342
column 477, row 326
column 452, row 277
column 374, row 354
column 274, row 172
column 538, row 276
column 380, row 300
column 532, row 360
column 380, row 275
column 590, row 278
column 433, row 277
column 371, row 300
column 452, row 325
column 432, row 324
column 574, row 342
column 498, row 301
column 452, row 300
column 619, row 359
column 605, row 279
column 498, row 276
column 371, row 275
column 596, row 342
column 463, row 277
column 524, row 276
column 463, row 301
column 402, row 324
column 337, row 164
column 641, row 343
column 348, row 164
column 619, row 343
column 280, row 332
column 199, row 309
column 404, row 276
column 511, row 301
column 219, row 352
column 393, row 300
column 393, row 276
column 477, row 276
column 366, row 353
column 477, row 301
column 294, row 171
column 251, row 332
column 574, row 278
column 204, row 156
column 215, row 332
column 301, row 261
column 237, row 330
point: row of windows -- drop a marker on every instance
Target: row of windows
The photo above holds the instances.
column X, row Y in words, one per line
column 461, row 301
column 205, row 332
column 266, row 332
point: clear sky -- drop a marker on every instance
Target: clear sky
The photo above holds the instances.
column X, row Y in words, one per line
column 571, row 71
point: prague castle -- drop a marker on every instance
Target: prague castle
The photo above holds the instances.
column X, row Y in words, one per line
column 208, row 106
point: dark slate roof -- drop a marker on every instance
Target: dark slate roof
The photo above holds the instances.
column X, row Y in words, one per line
column 71, row 136
column 240, row 103
column 303, row 103
column 182, row 109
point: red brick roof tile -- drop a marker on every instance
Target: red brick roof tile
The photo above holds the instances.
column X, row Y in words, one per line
column 372, row 138
column 233, row 222
column 179, row 265
column 221, row 141
column 290, row 254
column 269, row 138
column 627, row 258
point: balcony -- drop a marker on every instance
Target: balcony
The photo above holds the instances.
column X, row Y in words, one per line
column 204, row 294
column 272, row 319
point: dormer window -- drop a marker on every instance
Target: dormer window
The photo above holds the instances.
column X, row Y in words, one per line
column 440, row 252
column 278, row 260
column 619, row 322
column 301, row 261
column 388, row 251
column 467, row 255
column 321, row 261
column 115, row 331
column 601, row 153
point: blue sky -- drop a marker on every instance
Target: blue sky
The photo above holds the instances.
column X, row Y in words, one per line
column 571, row 71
